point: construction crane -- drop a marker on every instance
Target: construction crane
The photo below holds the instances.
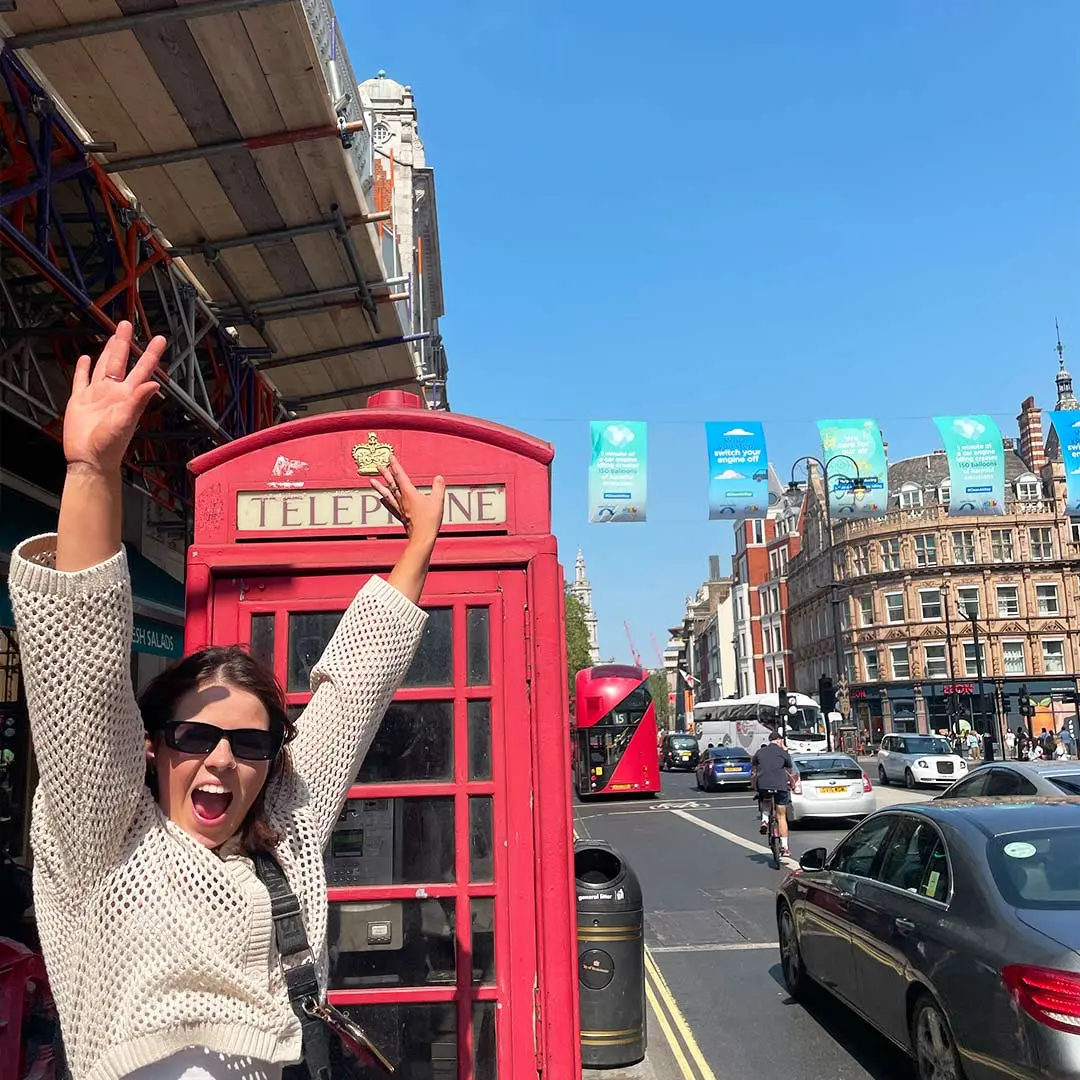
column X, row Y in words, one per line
column 633, row 650
column 659, row 654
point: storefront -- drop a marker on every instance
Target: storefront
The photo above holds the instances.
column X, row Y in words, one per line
column 157, row 638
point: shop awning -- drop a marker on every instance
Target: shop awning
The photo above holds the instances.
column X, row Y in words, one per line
column 158, row 597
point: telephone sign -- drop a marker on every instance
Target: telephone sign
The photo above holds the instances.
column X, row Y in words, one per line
column 451, row 940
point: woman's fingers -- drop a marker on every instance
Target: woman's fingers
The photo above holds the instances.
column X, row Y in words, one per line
column 401, row 478
column 388, row 499
column 82, row 374
column 148, row 363
column 113, row 361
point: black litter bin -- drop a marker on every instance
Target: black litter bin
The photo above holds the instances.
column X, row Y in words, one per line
column 611, row 957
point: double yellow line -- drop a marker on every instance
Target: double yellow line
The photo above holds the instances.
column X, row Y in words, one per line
column 680, row 1038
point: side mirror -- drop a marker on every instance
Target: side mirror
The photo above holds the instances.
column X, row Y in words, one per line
column 814, row 859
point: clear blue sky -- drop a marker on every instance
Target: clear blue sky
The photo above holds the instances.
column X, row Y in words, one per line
column 781, row 211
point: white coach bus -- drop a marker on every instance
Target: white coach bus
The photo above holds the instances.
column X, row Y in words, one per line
column 749, row 721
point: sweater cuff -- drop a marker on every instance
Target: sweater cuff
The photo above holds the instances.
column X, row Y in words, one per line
column 32, row 568
column 396, row 602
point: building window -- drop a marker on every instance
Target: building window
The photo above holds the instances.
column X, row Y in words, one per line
column 768, row 639
column 1042, row 544
column 849, row 666
column 1053, row 657
column 1012, row 653
column 380, row 133
column 967, row 601
column 866, row 611
column 845, row 614
column 926, row 549
column 910, row 496
column 890, row 554
column 862, row 559
column 1074, row 530
column 901, row 662
column 1008, row 601
column 894, row 607
column 930, row 603
column 1029, row 489
column 963, row 548
column 935, row 661
column 781, row 674
column 779, row 639
column 1001, row 545
column 870, row 665
column 971, row 660
column 944, row 493
column 759, row 531
column 1046, row 597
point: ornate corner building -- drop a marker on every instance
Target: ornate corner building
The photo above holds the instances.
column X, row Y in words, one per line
column 917, row 588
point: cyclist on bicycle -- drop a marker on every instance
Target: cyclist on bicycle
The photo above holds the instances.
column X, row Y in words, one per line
column 771, row 773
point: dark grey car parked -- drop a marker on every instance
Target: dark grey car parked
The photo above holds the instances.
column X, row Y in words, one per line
column 952, row 927
column 1017, row 778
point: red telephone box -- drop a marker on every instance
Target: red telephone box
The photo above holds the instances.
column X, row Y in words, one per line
column 450, row 870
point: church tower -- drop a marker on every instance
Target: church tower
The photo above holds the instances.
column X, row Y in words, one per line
column 583, row 591
column 1066, row 401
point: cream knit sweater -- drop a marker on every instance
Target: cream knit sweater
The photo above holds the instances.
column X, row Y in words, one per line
column 154, row 942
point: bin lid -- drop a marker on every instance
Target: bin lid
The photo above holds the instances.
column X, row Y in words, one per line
column 603, row 879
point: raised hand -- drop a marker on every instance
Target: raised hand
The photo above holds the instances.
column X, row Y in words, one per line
column 107, row 402
column 420, row 514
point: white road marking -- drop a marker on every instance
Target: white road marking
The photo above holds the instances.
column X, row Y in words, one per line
column 734, row 838
column 733, row 946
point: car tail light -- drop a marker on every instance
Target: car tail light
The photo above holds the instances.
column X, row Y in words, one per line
column 797, row 789
column 1050, row 996
column 866, row 785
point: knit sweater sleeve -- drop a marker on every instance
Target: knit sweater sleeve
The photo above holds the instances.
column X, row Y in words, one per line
column 75, row 649
column 352, row 684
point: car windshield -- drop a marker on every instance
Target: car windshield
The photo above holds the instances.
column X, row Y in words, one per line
column 1038, row 869
column 1068, row 782
column 824, row 766
column 731, row 752
column 926, row 744
column 683, row 742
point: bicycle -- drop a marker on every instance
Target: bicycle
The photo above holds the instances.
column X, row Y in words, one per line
column 769, row 798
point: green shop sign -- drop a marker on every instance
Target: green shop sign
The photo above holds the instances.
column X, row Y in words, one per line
column 161, row 639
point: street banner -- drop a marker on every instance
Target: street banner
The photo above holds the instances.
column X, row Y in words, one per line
column 976, row 464
column 1067, row 426
column 850, row 448
column 617, row 471
column 738, row 469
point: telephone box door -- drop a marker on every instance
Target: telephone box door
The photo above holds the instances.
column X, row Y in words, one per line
column 431, row 865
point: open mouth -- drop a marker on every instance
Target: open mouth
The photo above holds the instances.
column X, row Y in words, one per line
column 211, row 803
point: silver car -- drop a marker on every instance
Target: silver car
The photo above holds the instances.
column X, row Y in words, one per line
column 830, row 786
column 954, row 928
column 1018, row 778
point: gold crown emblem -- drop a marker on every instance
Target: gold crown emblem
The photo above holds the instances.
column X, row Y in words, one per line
column 370, row 455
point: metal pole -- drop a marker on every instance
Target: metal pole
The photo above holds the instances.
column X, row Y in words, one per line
column 838, row 639
column 954, row 703
column 979, row 673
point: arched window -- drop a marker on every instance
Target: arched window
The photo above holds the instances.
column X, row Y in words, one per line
column 1028, row 488
column 911, row 495
column 944, row 492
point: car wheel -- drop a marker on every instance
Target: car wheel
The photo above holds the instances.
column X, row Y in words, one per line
column 909, row 779
column 883, row 776
column 791, row 963
column 931, row 1039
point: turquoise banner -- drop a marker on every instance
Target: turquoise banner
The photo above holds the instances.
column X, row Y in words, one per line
column 976, row 464
column 738, row 469
column 617, row 471
column 858, row 472
column 1067, row 426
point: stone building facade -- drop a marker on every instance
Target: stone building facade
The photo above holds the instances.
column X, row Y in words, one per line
column 914, row 587
column 581, row 588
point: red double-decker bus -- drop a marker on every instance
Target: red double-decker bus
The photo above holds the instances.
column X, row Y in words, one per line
column 614, row 735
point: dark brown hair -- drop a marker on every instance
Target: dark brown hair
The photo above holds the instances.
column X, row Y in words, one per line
column 232, row 666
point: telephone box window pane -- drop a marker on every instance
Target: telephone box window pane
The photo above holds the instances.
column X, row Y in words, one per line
column 433, row 664
column 479, row 740
column 415, row 741
column 420, row 1040
column 262, row 638
column 484, row 1058
column 483, row 940
column 478, row 646
column 481, row 839
column 309, row 634
column 392, row 943
column 392, row 842
column 294, row 712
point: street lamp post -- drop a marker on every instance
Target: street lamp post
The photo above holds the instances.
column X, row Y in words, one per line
column 857, row 484
column 953, row 704
column 992, row 734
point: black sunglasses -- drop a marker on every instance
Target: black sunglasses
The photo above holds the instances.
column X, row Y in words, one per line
column 250, row 744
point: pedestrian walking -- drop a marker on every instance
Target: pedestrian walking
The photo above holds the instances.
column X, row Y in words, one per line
column 156, row 822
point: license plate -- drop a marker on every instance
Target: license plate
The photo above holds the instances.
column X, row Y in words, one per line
column 732, row 768
column 832, row 790
column 686, row 757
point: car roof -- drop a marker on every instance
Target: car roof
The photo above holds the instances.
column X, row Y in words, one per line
column 1037, row 768
column 818, row 755
column 994, row 815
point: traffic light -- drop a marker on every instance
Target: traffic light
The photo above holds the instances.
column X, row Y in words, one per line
column 826, row 694
column 1024, row 702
